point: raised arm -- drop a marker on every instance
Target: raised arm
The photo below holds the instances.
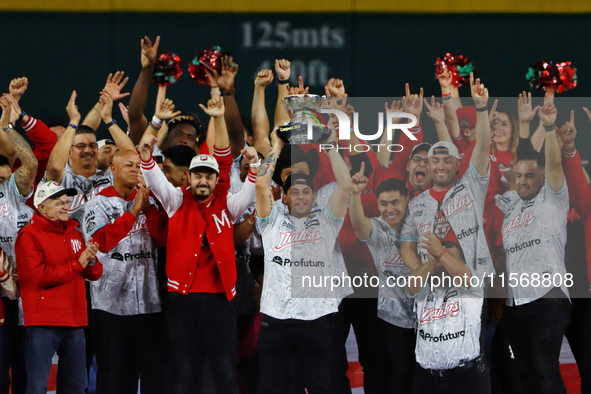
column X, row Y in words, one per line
column 480, row 155
column 383, row 155
column 24, row 177
column 119, row 136
column 339, row 199
column 59, row 155
column 264, row 195
column 6, row 146
column 450, row 103
column 260, row 119
column 361, row 224
column 283, row 70
column 554, row 171
column 137, row 121
column 437, row 114
column 215, row 108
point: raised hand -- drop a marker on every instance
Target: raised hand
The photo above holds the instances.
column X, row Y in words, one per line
column 283, row 69
column 548, row 112
column 146, row 145
column 413, row 103
column 16, row 109
column 250, row 155
column 165, row 110
column 17, row 87
column 264, row 77
column 89, row 253
column 115, row 84
column 359, row 180
column 568, row 132
column 445, row 79
column 124, row 112
column 106, row 102
column 435, row 110
column 479, row 92
column 524, row 108
column 6, row 109
column 229, row 71
column 587, row 112
column 141, row 202
column 298, row 90
column 335, row 88
column 494, row 117
column 215, row 107
column 431, row 244
column 149, row 51
column 72, row 109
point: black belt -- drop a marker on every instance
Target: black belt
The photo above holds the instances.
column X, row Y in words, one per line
column 467, row 365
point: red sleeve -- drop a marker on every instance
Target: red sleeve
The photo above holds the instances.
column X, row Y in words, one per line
column 463, row 145
column 578, row 189
column 44, row 140
column 109, row 236
column 224, row 159
column 158, row 225
column 93, row 272
column 204, row 149
column 34, row 268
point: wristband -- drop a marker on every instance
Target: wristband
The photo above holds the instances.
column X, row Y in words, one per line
column 226, row 94
column 550, row 128
column 22, row 115
column 215, row 93
column 446, row 97
column 332, row 144
column 73, row 126
column 282, row 81
column 255, row 165
column 440, row 254
column 156, row 121
column 157, row 128
column 111, row 123
column 446, row 94
column 482, row 109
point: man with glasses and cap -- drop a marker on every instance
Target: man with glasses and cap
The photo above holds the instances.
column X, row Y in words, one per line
column 53, row 261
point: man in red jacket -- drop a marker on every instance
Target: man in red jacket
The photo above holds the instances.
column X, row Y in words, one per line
column 52, row 268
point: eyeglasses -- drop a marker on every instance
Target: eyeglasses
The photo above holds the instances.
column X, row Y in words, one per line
column 81, row 146
column 419, row 160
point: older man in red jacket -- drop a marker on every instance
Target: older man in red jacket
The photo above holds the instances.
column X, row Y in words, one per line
column 52, row 264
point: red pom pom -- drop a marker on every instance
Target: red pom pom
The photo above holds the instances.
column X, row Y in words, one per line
column 549, row 75
column 167, row 69
column 208, row 58
column 460, row 67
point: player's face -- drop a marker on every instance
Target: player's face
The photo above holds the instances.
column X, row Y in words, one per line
column 105, row 156
column 84, row 151
column 443, row 169
column 502, row 130
column 418, row 173
column 299, row 199
column 203, row 184
column 5, row 173
column 178, row 176
column 392, row 207
column 126, row 169
column 529, row 179
column 183, row 134
column 295, row 168
column 55, row 208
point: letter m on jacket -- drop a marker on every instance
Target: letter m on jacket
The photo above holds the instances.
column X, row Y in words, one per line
column 223, row 221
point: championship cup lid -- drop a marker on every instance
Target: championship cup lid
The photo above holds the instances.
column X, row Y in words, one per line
column 104, row 142
column 51, row 189
column 444, row 148
column 204, row 161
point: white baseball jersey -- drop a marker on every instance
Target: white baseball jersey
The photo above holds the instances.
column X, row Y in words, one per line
column 128, row 285
column 14, row 214
column 295, row 248
column 448, row 326
column 87, row 189
column 534, row 237
column 463, row 206
column 394, row 306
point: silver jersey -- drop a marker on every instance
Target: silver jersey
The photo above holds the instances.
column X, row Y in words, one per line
column 14, row 214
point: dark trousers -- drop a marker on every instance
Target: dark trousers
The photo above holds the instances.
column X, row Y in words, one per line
column 201, row 326
column 281, row 342
column 535, row 332
column 127, row 348
column 401, row 353
column 579, row 339
column 454, row 381
column 42, row 343
column 361, row 313
column 504, row 374
column 13, row 351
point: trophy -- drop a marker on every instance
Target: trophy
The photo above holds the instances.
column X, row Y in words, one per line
column 304, row 113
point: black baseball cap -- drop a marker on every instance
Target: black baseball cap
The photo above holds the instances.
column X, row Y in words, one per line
column 298, row 178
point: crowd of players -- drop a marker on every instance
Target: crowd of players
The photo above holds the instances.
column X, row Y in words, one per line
column 189, row 235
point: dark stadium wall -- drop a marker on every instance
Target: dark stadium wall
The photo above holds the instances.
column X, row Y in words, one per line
column 374, row 53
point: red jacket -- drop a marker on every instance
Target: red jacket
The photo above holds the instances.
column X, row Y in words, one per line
column 50, row 276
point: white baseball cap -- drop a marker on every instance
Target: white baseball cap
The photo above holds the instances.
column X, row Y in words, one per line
column 204, row 161
column 51, row 189
column 444, row 148
column 102, row 143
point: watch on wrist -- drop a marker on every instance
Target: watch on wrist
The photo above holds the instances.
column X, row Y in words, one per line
column 22, row 115
column 111, row 123
column 8, row 128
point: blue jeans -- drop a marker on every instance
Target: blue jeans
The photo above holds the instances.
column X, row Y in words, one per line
column 69, row 343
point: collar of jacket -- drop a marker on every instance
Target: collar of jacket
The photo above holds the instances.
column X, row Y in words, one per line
column 111, row 192
column 54, row 225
